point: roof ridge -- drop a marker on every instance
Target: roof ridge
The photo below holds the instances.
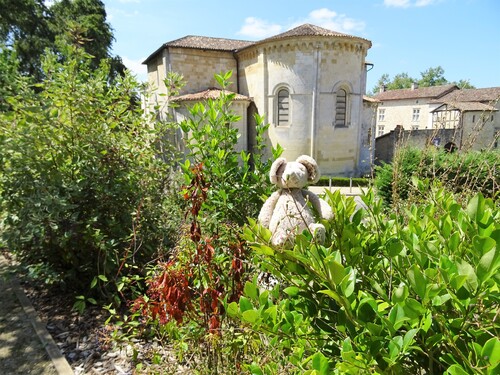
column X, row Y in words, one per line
column 234, row 45
column 308, row 29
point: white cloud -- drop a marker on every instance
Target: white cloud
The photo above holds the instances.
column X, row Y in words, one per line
column 397, row 3
column 136, row 67
column 408, row 3
column 333, row 21
column 424, row 3
column 322, row 14
column 258, row 28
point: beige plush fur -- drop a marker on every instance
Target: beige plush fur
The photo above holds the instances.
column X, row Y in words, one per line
column 286, row 213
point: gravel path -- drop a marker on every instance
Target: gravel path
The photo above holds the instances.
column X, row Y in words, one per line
column 21, row 350
column 40, row 334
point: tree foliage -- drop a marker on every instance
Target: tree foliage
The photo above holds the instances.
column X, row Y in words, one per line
column 453, row 170
column 430, row 77
column 29, row 27
column 82, row 188
column 24, row 27
column 411, row 292
column 223, row 189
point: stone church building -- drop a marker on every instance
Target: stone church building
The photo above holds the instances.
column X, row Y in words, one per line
column 308, row 83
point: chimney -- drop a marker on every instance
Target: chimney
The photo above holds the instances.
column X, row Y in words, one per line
column 414, row 85
column 382, row 88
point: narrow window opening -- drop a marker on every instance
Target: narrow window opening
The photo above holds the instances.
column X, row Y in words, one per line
column 283, row 107
column 341, row 108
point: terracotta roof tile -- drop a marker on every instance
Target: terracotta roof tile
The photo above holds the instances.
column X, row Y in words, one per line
column 205, row 42
column 367, row 98
column 223, row 44
column 211, row 93
column 310, row 30
column 432, row 92
column 486, row 95
column 468, row 106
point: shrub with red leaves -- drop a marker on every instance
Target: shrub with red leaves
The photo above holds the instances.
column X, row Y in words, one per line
column 169, row 296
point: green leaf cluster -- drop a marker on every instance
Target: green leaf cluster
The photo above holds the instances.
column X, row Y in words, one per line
column 238, row 179
column 82, row 188
column 414, row 292
column 465, row 173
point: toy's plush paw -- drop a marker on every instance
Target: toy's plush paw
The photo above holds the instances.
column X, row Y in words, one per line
column 318, row 231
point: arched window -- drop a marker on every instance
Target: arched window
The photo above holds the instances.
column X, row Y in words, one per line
column 341, row 109
column 283, row 110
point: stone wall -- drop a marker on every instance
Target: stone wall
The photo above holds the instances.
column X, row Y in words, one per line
column 312, row 70
column 481, row 130
column 387, row 144
column 197, row 66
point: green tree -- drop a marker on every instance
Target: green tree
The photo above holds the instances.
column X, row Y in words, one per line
column 464, row 84
column 28, row 27
column 84, row 23
column 82, row 188
column 400, row 81
column 429, row 77
column 432, row 77
column 9, row 79
column 24, row 28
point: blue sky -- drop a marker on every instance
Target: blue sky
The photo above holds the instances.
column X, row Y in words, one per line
column 408, row 36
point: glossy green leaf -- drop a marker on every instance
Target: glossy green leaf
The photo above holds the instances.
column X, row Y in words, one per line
column 417, row 281
column 491, row 351
column 400, row 293
column 475, row 207
column 255, row 369
column 395, row 346
column 232, row 309
column 320, row 364
column 292, row 291
column 465, row 269
column 250, row 290
column 394, row 247
column 245, row 304
column 250, row 316
column 456, row 370
column 408, row 338
column 488, row 264
column 397, row 317
column 336, row 271
column 483, row 244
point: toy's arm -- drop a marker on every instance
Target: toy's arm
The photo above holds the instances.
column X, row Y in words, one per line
column 324, row 210
column 267, row 209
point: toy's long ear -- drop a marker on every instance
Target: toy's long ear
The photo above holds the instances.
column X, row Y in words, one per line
column 311, row 166
column 273, row 173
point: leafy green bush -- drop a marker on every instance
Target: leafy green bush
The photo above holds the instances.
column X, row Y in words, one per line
column 82, row 189
column 223, row 188
column 416, row 292
column 238, row 181
column 467, row 173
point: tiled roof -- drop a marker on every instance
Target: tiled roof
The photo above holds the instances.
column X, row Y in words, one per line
column 468, row 106
column 310, row 30
column 223, row 44
column 203, row 42
column 212, row 93
column 367, row 98
column 486, row 95
column 432, row 92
